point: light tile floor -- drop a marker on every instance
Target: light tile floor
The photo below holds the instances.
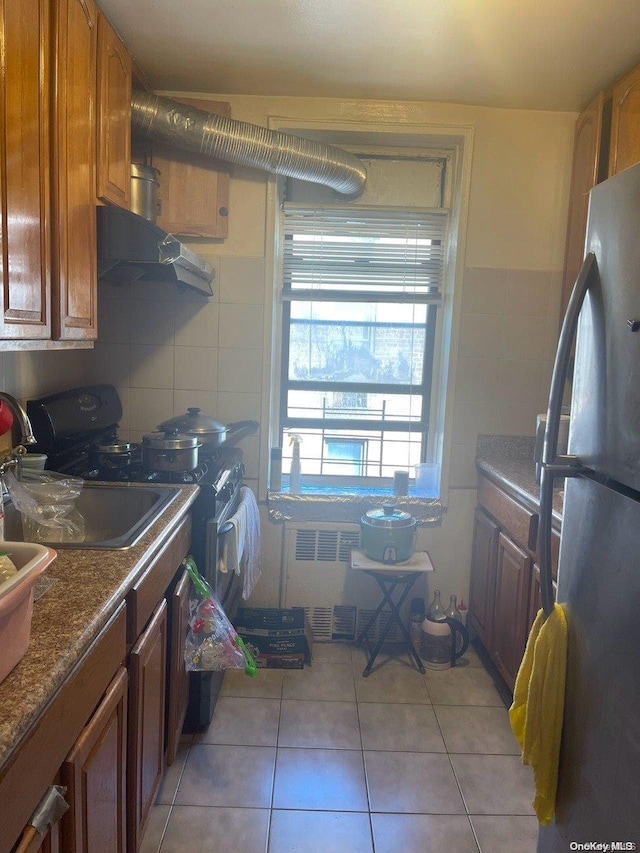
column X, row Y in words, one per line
column 325, row 761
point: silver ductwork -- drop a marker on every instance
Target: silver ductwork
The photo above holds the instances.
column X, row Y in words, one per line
column 224, row 138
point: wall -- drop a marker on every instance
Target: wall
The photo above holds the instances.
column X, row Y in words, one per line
column 166, row 350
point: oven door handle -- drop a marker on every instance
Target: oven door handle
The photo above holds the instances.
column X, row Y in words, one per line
column 227, row 527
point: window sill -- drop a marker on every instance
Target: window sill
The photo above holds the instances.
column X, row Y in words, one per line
column 348, row 504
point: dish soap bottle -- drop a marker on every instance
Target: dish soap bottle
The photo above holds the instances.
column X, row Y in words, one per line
column 294, row 476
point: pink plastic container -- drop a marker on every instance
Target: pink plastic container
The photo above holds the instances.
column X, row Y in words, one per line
column 16, row 600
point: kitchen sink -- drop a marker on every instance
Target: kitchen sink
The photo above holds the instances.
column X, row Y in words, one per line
column 116, row 515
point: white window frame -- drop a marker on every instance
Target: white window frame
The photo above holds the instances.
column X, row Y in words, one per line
column 453, row 141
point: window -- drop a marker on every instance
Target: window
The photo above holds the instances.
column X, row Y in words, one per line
column 361, row 289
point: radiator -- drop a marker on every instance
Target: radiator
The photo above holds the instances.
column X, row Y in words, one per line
column 339, row 602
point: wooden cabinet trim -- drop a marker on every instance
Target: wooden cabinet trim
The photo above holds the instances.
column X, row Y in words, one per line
column 35, row 762
column 150, row 588
column 625, row 123
column 511, row 607
column 483, row 575
column 520, row 522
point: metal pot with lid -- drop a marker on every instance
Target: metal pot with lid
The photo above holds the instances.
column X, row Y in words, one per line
column 169, row 450
column 208, row 431
column 387, row 534
column 112, row 457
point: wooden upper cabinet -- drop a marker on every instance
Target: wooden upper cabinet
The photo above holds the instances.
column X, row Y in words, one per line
column 74, row 155
column 585, row 174
column 625, row 123
column 194, row 189
column 25, row 229
column 114, row 117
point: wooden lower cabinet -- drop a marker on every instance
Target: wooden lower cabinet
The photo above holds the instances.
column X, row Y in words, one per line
column 510, row 622
column 504, row 594
column 145, row 760
column 177, row 675
column 483, row 575
column 94, row 774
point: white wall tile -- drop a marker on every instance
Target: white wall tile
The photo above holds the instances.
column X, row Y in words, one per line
column 111, row 363
column 480, row 335
column 149, row 407
column 471, row 419
column 196, row 324
column 251, row 455
column 462, row 472
column 152, row 322
column 241, row 326
column 151, row 366
column 237, row 406
column 113, row 320
column 205, row 400
column 519, row 381
column 196, row 368
column 529, row 292
column 239, row 370
column 524, row 338
column 484, row 291
column 517, row 418
column 242, row 280
column 477, row 379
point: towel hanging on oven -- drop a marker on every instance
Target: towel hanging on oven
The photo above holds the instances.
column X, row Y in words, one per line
column 241, row 548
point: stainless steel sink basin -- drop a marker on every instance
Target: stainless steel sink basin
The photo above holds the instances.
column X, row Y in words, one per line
column 116, row 515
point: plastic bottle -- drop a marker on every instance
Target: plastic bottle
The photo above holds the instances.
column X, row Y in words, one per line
column 436, row 610
column 294, row 476
column 452, row 610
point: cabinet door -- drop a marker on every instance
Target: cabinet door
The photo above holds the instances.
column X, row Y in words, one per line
column 483, row 575
column 625, row 123
column 94, row 773
column 114, row 117
column 178, row 691
column 510, row 617
column 585, row 174
column 147, row 672
column 75, row 272
column 194, row 189
column 25, row 228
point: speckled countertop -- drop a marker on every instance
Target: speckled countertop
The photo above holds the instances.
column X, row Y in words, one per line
column 89, row 585
column 508, row 459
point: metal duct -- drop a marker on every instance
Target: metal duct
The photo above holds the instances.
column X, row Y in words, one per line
column 248, row 144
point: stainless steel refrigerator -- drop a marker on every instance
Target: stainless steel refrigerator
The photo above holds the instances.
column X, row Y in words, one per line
column 599, row 571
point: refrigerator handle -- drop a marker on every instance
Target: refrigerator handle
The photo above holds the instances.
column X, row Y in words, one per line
column 569, row 466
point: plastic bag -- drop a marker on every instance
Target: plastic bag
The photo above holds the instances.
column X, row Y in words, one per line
column 46, row 501
column 212, row 642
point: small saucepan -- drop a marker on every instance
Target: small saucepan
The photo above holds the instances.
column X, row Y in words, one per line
column 388, row 534
column 169, row 451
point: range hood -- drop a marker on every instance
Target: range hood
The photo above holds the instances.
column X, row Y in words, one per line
column 131, row 248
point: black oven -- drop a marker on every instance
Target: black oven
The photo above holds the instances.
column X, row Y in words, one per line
column 69, row 426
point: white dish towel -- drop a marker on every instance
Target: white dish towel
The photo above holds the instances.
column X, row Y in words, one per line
column 241, row 549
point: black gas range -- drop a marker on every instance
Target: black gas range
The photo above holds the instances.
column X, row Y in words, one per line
column 78, row 430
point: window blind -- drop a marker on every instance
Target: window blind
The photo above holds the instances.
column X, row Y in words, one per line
column 372, row 255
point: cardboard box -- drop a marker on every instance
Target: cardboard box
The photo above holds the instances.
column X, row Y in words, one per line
column 278, row 639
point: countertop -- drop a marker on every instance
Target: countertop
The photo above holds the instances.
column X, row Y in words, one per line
column 508, row 460
column 85, row 588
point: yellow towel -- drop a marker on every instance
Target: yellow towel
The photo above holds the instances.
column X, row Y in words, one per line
column 538, row 705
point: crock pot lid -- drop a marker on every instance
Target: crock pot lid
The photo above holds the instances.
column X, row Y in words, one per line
column 170, row 441
column 388, row 516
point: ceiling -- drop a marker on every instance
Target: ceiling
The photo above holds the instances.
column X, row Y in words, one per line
column 527, row 54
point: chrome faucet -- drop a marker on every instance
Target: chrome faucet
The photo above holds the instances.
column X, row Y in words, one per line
column 19, row 414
